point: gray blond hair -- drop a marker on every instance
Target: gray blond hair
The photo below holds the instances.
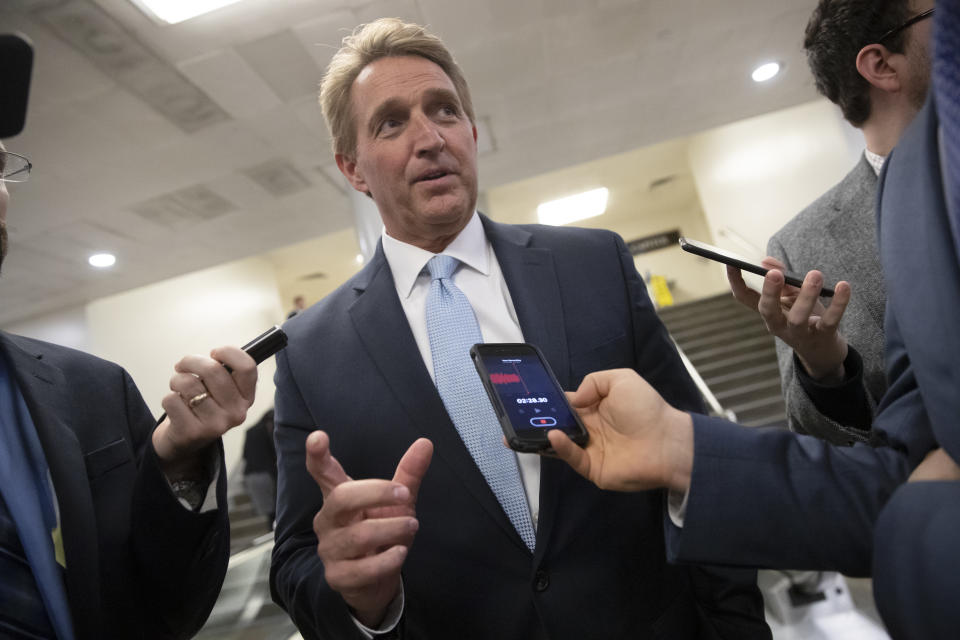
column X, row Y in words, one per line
column 384, row 38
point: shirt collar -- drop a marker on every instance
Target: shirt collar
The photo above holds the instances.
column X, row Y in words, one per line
column 875, row 159
column 407, row 261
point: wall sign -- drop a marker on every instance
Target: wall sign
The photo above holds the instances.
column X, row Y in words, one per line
column 647, row 244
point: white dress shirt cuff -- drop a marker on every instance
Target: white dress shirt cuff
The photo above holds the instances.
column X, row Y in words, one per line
column 390, row 620
column 677, row 506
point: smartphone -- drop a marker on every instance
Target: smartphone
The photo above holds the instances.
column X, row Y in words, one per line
column 716, row 253
column 525, row 395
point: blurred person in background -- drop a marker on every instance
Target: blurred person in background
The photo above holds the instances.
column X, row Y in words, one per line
column 260, row 467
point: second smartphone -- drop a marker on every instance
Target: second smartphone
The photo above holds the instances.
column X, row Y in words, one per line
column 525, row 395
column 711, row 252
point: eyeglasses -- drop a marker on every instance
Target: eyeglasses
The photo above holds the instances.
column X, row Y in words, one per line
column 14, row 167
column 911, row 21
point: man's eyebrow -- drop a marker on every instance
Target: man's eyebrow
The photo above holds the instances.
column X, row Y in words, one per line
column 442, row 94
column 390, row 106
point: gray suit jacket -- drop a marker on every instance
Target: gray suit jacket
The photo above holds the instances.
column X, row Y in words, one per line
column 837, row 234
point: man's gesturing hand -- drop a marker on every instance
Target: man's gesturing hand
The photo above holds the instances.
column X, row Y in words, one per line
column 637, row 440
column 365, row 527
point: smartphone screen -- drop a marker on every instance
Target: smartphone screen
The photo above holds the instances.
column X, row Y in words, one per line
column 525, row 394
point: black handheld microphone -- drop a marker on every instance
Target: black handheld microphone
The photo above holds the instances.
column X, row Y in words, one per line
column 260, row 348
column 16, row 64
column 265, row 345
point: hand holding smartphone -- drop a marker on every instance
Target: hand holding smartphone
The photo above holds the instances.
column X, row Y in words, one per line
column 525, row 395
column 719, row 255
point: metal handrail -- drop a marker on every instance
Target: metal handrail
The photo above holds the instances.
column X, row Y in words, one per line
column 715, row 407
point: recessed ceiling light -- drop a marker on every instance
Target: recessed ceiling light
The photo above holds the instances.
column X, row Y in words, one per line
column 765, row 72
column 102, row 260
column 359, row 258
column 572, row 208
column 174, row 11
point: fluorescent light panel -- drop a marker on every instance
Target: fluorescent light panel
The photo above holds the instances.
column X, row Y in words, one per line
column 572, row 208
column 174, row 11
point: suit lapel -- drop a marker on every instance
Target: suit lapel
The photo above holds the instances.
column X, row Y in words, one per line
column 531, row 277
column 42, row 387
column 382, row 326
column 856, row 216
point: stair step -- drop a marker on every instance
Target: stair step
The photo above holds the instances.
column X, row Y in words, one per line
column 703, row 318
column 744, row 376
column 747, row 323
column 720, row 300
column 698, row 355
column 243, row 513
column 732, row 363
column 730, row 336
column 766, row 387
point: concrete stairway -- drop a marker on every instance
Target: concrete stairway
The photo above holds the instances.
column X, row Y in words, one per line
column 244, row 610
column 731, row 349
column 245, row 523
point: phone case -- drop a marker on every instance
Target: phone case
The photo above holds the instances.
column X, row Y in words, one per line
column 516, row 441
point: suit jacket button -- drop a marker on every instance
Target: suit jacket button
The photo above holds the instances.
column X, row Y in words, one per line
column 542, row 581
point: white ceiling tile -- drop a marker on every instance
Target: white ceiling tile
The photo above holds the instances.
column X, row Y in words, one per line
column 322, row 36
column 287, row 134
column 230, row 81
column 408, row 10
column 284, row 64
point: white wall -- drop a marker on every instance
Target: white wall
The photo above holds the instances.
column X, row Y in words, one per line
column 67, row 327
column 756, row 174
column 147, row 330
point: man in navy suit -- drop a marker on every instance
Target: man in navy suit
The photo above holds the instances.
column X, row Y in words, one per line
column 776, row 499
column 442, row 549
column 916, row 560
column 110, row 526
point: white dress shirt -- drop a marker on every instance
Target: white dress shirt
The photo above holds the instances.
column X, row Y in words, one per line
column 875, row 159
column 481, row 280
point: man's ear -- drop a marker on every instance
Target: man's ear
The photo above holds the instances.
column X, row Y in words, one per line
column 348, row 167
column 879, row 66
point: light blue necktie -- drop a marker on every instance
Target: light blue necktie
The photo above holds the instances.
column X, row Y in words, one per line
column 453, row 329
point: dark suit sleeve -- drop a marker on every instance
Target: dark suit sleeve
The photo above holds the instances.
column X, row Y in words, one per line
column 769, row 498
column 728, row 599
column 180, row 557
column 916, row 561
column 296, row 574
